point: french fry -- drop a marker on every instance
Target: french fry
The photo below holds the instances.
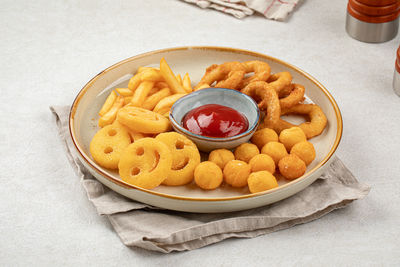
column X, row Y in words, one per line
column 124, row 91
column 202, row 86
column 152, row 100
column 151, row 75
column 170, row 78
column 134, row 82
column 186, row 83
column 108, row 103
column 127, row 100
column 141, row 93
column 165, row 104
column 179, row 78
column 110, row 116
column 141, row 69
column 153, row 91
column 161, row 85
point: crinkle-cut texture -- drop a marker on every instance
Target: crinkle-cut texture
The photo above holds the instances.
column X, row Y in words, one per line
column 145, row 163
column 185, row 158
column 107, row 145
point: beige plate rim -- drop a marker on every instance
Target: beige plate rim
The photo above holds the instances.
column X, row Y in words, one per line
column 214, row 48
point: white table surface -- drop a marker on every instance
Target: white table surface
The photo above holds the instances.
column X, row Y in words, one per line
column 50, row 49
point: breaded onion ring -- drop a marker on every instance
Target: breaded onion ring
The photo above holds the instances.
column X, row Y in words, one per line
column 232, row 81
column 261, row 72
column 295, row 96
column 269, row 101
column 216, row 73
column 312, row 128
column 280, row 80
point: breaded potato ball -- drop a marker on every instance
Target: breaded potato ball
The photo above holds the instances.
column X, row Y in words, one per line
column 246, row 151
column 208, row 175
column 290, row 137
column 305, row 151
column 275, row 150
column 262, row 162
column 261, row 181
column 261, row 137
column 221, row 157
column 236, row 173
column 291, row 167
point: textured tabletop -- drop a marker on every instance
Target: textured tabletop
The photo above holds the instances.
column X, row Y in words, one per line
column 50, row 49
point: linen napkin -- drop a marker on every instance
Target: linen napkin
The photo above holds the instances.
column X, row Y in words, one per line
column 271, row 9
column 152, row 228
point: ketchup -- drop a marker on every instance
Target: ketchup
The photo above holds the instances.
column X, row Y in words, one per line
column 215, row 120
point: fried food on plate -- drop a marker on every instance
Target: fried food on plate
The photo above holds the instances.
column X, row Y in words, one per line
column 107, row 145
column 246, row 151
column 185, row 158
column 236, row 173
column 305, row 151
column 261, row 181
column 275, row 150
column 291, row 167
column 221, row 157
column 145, row 163
column 290, row 137
column 262, row 162
column 208, row 175
column 263, row 136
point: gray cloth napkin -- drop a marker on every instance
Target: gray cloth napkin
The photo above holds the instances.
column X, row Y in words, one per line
column 152, row 228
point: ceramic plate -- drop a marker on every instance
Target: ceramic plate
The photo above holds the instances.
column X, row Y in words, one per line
column 190, row 198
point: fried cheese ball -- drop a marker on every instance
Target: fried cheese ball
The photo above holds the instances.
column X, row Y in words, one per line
column 236, row 173
column 246, row 151
column 261, row 137
column 290, row 137
column 107, row 145
column 291, row 167
column 221, row 157
column 275, row 150
column 261, row 181
column 208, row 175
column 262, row 162
column 305, row 151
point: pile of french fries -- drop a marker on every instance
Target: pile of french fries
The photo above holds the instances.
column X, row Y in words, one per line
column 150, row 88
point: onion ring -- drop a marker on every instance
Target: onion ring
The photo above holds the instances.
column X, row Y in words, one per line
column 280, row 80
column 295, row 96
column 269, row 100
column 216, row 73
column 261, row 72
column 312, row 128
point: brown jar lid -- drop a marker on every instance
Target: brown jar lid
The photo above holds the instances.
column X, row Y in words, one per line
column 377, row 2
column 371, row 19
column 374, row 10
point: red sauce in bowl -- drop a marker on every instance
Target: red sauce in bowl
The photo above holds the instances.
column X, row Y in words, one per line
column 215, row 120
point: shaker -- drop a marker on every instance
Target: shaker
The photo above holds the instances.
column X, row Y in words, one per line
column 372, row 21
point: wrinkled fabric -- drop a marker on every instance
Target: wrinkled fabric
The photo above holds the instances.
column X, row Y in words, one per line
column 270, row 9
column 152, row 228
